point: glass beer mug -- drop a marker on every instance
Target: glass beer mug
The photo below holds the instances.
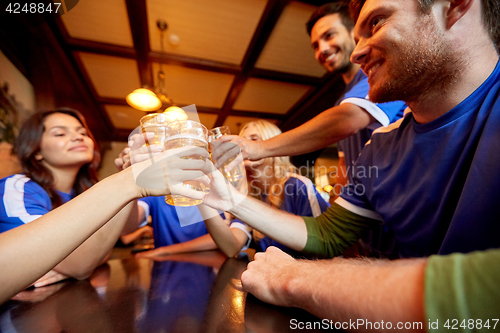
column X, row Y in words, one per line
column 186, row 133
column 156, row 123
column 236, row 173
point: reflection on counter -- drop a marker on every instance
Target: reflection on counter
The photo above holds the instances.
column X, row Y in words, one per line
column 192, row 292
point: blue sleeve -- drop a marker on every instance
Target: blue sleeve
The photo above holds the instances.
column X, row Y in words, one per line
column 360, row 90
column 148, row 200
column 301, row 198
column 148, row 205
column 384, row 113
column 355, row 195
column 22, row 201
column 236, row 221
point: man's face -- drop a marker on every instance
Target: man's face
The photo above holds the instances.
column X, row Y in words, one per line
column 332, row 43
column 402, row 51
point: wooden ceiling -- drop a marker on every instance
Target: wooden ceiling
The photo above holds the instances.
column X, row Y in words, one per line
column 236, row 60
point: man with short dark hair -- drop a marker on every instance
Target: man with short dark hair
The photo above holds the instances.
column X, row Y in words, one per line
column 353, row 118
column 349, row 123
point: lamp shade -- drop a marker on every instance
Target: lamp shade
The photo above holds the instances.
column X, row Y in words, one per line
column 175, row 112
column 143, row 99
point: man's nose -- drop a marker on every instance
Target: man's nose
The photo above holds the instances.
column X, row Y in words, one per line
column 360, row 51
column 323, row 46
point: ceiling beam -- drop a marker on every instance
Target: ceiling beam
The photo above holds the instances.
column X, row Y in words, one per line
column 314, row 102
column 138, row 19
column 101, row 48
column 286, row 77
column 195, row 63
column 269, row 18
column 257, row 114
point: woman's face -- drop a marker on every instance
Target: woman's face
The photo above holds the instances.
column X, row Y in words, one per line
column 65, row 142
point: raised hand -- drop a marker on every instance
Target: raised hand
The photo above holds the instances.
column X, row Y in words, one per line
column 165, row 173
column 136, row 150
column 222, row 195
column 228, row 146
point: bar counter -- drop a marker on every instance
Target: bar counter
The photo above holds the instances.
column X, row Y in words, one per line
column 197, row 292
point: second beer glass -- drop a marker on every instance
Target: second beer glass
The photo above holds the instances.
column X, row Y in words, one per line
column 235, row 173
column 186, row 133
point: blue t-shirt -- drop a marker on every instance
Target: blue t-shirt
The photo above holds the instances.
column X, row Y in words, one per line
column 302, row 199
column 356, row 92
column 23, row 201
column 167, row 228
column 436, row 185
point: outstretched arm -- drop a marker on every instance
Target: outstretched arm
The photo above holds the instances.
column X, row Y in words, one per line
column 327, row 235
column 93, row 252
column 283, row 227
column 328, row 127
column 341, row 289
column 31, row 250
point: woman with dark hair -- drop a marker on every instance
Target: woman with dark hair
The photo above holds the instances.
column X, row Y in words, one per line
column 29, row 144
column 80, row 232
column 59, row 159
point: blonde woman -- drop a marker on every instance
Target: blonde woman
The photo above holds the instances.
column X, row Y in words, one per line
column 272, row 180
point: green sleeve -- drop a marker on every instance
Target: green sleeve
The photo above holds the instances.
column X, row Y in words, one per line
column 462, row 287
column 329, row 234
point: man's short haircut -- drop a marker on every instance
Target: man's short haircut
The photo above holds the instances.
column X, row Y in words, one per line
column 490, row 10
column 339, row 7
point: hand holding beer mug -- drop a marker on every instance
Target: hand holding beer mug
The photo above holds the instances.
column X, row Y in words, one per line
column 186, row 133
column 158, row 171
column 231, row 169
column 157, row 124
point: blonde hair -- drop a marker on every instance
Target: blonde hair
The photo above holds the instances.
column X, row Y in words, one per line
column 282, row 167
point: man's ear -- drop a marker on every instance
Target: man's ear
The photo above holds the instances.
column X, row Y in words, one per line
column 456, row 9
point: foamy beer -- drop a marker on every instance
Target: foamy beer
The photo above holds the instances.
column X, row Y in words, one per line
column 157, row 124
column 186, row 133
column 233, row 175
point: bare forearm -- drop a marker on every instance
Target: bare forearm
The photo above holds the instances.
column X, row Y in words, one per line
column 82, row 261
column 341, row 290
column 220, row 231
column 328, row 127
column 224, row 238
column 201, row 243
column 31, row 250
column 285, row 228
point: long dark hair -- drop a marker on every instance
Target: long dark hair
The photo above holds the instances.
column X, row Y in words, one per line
column 27, row 145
